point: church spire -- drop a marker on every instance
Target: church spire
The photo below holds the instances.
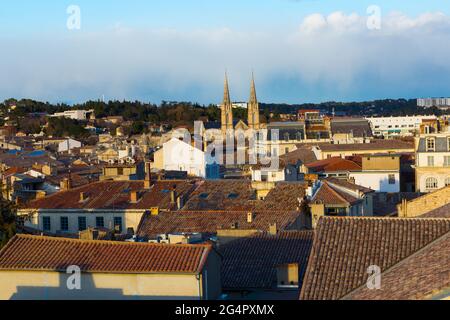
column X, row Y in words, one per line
column 253, row 107
column 226, row 108
column 226, row 92
column 253, row 99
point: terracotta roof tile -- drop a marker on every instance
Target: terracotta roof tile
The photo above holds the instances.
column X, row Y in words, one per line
column 332, row 196
column 26, row 252
column 115, row 195
column 222, row 195
column 441, row 212
column 251, row 262
column 373, row 145
column 348, row 185
column 211, row 221
column 333, row 164
column 344, row 248
column 420, row 276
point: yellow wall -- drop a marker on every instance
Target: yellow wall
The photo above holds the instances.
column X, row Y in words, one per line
column 159, row 159
column 130, row 218
column 381, row 163
column 53, row 286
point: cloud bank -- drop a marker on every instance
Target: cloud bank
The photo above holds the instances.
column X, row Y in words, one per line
column 333, row 57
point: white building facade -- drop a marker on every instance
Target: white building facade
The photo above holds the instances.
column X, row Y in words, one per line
column 181, row 156
column 397, row 126
column 68, row 145
column 432, row 162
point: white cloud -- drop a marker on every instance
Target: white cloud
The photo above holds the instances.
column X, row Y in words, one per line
column 327, row 57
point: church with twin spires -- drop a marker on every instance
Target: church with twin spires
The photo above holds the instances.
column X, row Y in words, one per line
column 226, row 108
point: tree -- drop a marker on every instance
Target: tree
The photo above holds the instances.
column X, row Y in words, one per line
column 7, row 221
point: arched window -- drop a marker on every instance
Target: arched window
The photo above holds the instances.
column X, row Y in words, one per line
column 431, row 183
column 447, row 182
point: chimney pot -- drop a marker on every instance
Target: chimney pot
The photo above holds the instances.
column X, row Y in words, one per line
column 250, row 217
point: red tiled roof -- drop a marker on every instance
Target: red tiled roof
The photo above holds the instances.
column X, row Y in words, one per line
column 345, row 247
column 333, row 164
column 373, row 145
column 222, row 195
column 284, row 196
column 441, row 212
column 332, row 196
column 251, row 262
column 13, row 170
column 115, row 195
column 348, row 185
column 211, row 221
column 302, row 153
column 423, row 274
column 37, row 253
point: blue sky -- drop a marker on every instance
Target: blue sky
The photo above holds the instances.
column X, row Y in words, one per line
column 300, row 50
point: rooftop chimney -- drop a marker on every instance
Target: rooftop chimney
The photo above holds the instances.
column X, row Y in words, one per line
column 83, row 196
column 40, row 194
column 65, row 184
column 134, row 196
column 173, row 196
column 148, row 177
column 273, row 229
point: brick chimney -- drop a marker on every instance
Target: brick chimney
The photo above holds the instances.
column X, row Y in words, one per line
column 65, row 184
column 134, row 196
column 148, row 176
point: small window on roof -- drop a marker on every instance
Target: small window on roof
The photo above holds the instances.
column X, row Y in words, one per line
column 233, row 195
column 203, row 195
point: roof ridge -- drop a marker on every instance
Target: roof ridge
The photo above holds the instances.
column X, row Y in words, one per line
column 104, row 242
column 403, row 261
column 337, row 192
column 386, row 218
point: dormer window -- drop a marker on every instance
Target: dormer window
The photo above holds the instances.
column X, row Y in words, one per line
column 430, row 144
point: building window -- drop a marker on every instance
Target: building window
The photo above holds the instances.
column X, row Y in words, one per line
column 430, row 144
column 118, row 224
column 430, row 160
column 82, row 225
column 431, row 183
column 46, row 225
column 391, row 179
column 446, row 161
column 64, row 223
column 447, row 182
column 120, row 171
column 99, row 222
column 448, row 144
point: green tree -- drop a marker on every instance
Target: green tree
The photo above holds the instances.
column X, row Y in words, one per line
column 7, row 221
